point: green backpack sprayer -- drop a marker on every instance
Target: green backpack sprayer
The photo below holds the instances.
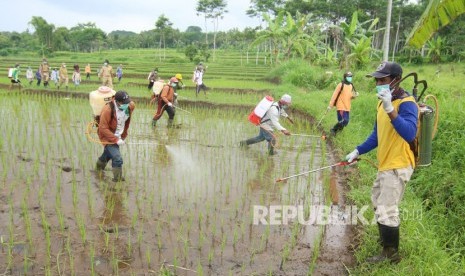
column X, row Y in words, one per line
column 427, row 123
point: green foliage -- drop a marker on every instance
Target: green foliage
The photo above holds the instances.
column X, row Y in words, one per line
column 299, row 73
column 191, row 52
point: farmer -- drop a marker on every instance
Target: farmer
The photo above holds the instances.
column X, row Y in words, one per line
column 63, row 76
column 198, row 80
column 165, row 102
column 395, row 127
column 106, row 74
column 269, row 122
column 87, row 70
column 15, row 76
column 38, row 77
column 44, row 69
column 29, row 75
column 153, row 77
column 179, row 86
column 341, row 99
column 119, row 72
column 112, row 130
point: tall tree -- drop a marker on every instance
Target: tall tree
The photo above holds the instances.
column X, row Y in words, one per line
column 44, row 31
column 163, row 25
column 212, row 9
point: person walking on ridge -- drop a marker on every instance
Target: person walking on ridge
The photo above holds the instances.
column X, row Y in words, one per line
column 341, row 99
column 394, row 130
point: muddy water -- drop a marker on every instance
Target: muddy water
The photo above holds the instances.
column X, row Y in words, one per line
column 187, row 204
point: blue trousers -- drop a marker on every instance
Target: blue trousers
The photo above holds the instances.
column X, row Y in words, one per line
column 111, row 152
column 263, row 135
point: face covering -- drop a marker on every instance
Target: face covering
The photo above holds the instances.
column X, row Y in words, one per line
column 125, row 108
column 105, row 64
column 349, row 79
column 382, row 87
column 173, row 84
column 285, row 107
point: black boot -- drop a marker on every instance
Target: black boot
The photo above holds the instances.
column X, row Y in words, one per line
column 390, row 240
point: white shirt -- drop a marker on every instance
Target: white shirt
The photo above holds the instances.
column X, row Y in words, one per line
column 198, row 77
column 271, row 118
column 121, row 119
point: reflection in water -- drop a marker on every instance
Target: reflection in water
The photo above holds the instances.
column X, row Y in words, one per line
column 113, row 212
column 263, row 175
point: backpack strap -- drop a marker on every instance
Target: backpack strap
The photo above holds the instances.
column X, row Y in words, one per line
column 261, row 122
column 339, row 94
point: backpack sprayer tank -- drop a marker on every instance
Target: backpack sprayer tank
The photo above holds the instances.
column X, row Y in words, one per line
column 427, row 124
column 99, row 98
column 259, row 111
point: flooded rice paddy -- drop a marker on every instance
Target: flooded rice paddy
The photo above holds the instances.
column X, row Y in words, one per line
column 187, row 205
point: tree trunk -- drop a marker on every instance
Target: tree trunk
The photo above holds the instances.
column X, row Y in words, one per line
column 386, row 32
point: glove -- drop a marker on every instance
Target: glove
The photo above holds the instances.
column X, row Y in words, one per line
column 351, row 156
column 120, row 142
column 386, row 97
column 329, row 107
column 286, row 132
column 169, row 104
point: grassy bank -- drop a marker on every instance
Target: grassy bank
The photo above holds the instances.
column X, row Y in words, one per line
column 431, row 231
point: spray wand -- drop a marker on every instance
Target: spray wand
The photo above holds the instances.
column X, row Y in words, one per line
column 342, row 163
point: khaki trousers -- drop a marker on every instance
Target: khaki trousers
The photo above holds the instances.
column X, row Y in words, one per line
column 387, row 192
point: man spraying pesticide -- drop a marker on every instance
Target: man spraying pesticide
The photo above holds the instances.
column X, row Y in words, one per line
column 266, row 115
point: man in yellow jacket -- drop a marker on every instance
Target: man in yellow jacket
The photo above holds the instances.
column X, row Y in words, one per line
column 341, row 99
column 395, row 128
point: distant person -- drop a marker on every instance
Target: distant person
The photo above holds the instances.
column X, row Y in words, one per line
column 63, row 75
column 179, row 86
column 76, row 77
column 87, row 71
column 30, row 75
column 119, row 72
column 45, row 72
column 201, row 67
column 15, row 76
column 269, row 122
column 165, row 102
column 341, row 99
column 106, row 74
column 198, row 80
column 115, row 118
column 152, row 78
column 54, row 76
column 38, row 77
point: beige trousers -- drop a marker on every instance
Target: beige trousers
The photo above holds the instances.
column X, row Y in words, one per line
column 387, row 192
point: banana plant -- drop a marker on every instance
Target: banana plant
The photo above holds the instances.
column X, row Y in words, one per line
column 438, row 14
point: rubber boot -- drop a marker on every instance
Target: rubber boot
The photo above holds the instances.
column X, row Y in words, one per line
column 118, row 174
column 380, row 239
column 390, row 240
column 100, row 166
column 170, row 123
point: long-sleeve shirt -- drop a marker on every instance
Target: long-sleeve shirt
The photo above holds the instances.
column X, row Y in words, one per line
column 344, row 101
column 108, row 123
column 393, row 137
column 271, row 119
